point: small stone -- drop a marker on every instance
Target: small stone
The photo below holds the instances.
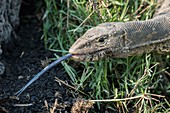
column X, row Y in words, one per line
column 20, row 77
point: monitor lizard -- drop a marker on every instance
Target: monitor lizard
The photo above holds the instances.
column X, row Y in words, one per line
column 123, row 39
column 119, row 39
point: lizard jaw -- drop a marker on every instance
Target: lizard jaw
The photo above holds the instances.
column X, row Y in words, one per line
column 85, row 57
column 88, row 56
column 79, row 57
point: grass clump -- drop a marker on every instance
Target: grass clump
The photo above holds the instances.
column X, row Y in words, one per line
column 119, row 79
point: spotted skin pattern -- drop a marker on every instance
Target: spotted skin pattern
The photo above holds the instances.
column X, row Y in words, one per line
column 123, row 39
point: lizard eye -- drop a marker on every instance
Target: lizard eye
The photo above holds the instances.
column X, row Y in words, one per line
column 101, row 39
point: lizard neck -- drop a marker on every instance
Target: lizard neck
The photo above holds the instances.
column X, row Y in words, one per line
column 144, row 37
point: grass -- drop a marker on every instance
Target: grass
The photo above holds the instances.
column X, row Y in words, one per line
column 119, row 79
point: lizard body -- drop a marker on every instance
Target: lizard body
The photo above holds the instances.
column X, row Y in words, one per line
column 118, row 39
column 122, row 39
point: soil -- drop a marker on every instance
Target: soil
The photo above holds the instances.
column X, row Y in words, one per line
column 23, row 58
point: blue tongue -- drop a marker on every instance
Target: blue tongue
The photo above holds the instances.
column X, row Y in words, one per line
column 42, row 72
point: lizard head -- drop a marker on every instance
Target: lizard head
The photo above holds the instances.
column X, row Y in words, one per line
column 96, row 43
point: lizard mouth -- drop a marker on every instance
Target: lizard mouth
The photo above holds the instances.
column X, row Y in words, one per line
column 79, row 57
column 91, row 56
column 87, row 54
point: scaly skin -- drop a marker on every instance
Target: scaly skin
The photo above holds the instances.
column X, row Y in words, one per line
column 123, row 39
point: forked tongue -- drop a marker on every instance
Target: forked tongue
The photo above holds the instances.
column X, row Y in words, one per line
column 42, row 72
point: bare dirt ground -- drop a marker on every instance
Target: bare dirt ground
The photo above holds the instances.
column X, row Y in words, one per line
column 22, row 58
